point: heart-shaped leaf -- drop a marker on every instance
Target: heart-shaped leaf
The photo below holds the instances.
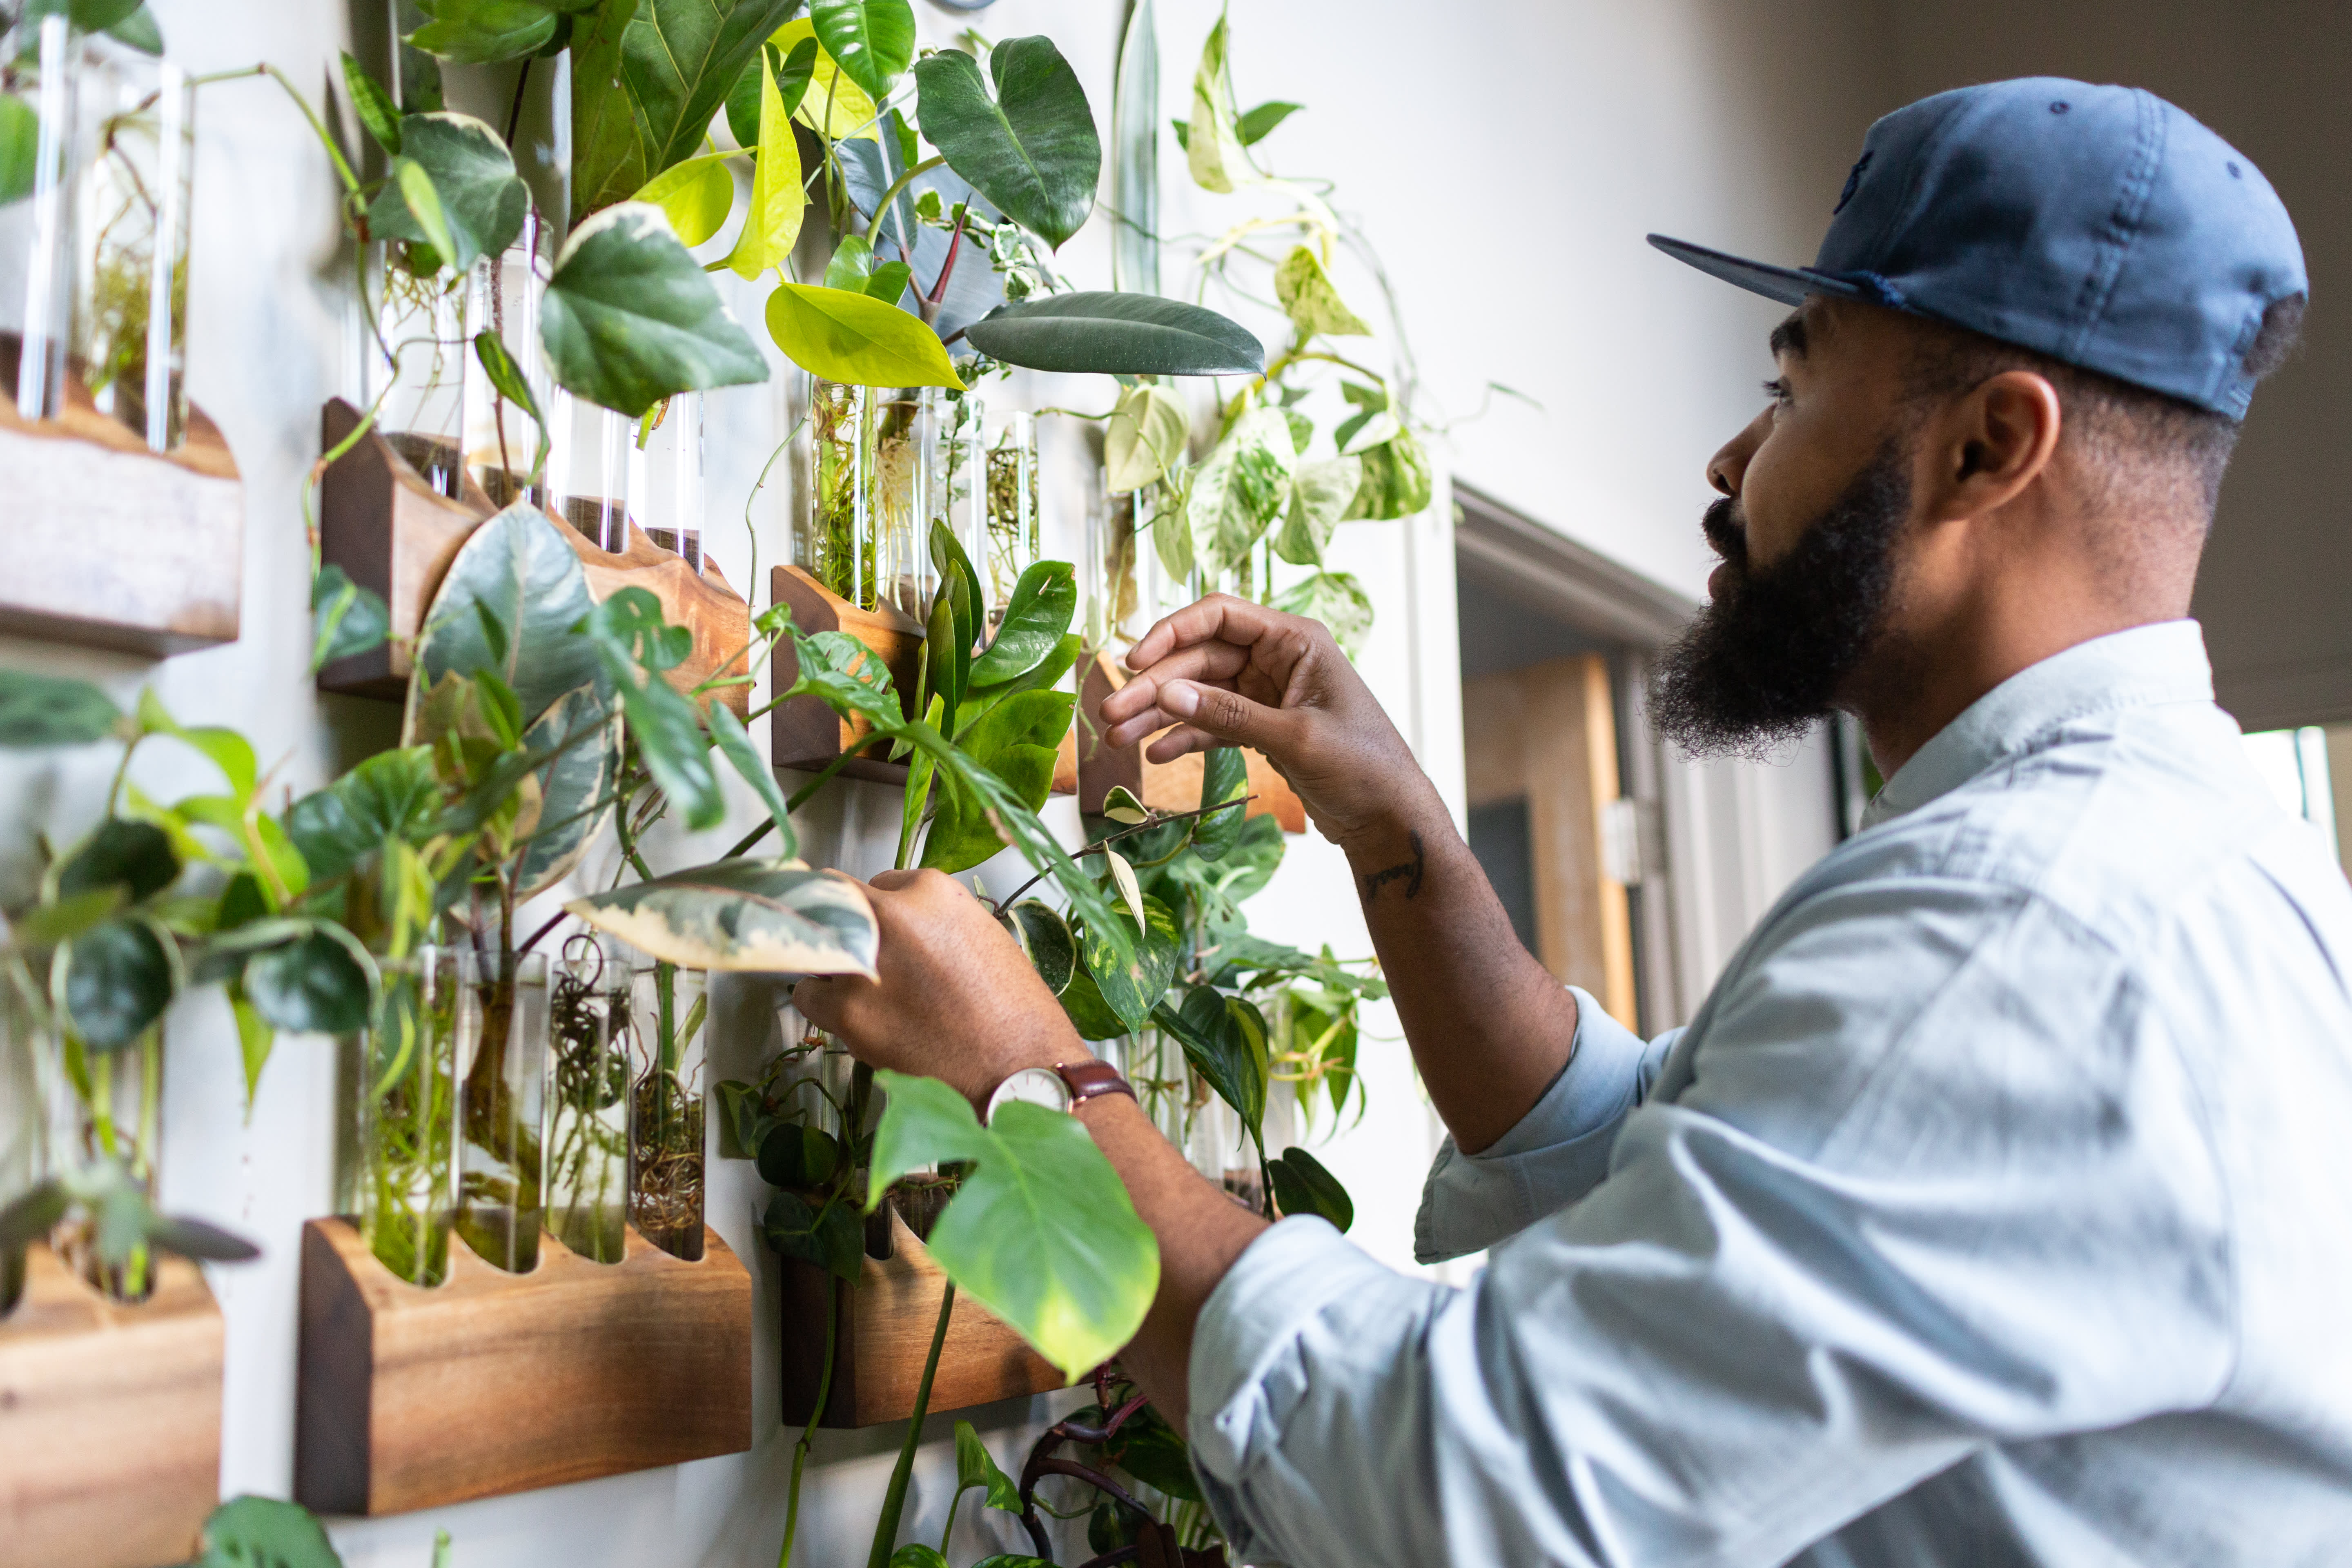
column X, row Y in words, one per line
column 695, row 196
column 1253, row 125
column 38, row 710
column 833, row 105
column 1146, row 436
column 1119, row 334
column 848, row 336
column 1045, row 937
column 1032, row 148
column 1131, row 988
column 872, row 40
column 1309, row 299
column 1301, row 1185
column 484, row 32
column 516, row 573
column 1320, row 494
column 136, row 857
column 1036, row 618
column 346, row 618
column 322, row 983
column 1241, row 489
column 975, row 1468
column 831, row 1238
column 629, row 317
column 743, row 915
column 1041, row 1231
column 117, row 979
column 1396, row 480
column 1336, row 599
column 482, row 201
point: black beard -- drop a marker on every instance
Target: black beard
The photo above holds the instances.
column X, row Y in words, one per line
column 1771, row 655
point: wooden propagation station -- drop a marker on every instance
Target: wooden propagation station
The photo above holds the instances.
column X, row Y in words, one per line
column 1162, row 786
column 493, row 1383
column 110, row 1420
column 884, row 1331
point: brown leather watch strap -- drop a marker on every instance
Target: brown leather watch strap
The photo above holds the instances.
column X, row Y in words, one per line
column 1088, row 1080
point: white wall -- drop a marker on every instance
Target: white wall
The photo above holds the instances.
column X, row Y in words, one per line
column 1505, row 157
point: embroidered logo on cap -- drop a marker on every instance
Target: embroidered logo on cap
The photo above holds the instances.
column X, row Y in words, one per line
column 1853, row 182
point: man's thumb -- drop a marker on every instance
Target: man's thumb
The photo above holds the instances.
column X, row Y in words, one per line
column 1229, row 716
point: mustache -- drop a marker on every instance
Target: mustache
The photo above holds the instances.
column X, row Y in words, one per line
column 1726, row 527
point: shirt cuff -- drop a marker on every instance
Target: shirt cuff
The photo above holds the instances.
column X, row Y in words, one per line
column 1281, row 1282
column 1554, row 1155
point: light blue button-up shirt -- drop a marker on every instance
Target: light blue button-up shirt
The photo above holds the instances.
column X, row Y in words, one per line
column 1995, row 1208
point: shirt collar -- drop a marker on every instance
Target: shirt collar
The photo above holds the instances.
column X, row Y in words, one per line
column 2144, row 666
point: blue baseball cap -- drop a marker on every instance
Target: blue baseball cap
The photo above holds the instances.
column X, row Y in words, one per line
column 2100, row 226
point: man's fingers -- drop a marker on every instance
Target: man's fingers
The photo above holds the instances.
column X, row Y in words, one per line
column 1179, row 741
column 1202, row 661
column 1233, row 719
column 1218, row 617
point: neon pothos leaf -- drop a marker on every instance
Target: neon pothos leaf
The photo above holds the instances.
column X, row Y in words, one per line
column 778, row 200
column 848, row 336
column 833, row 105
column 696, row 195
column 743, row 915
column 1031, row 148
column 1118, row 334
column 630, row 318
column 1041, row 1232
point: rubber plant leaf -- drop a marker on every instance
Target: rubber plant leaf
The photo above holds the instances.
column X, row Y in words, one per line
column 1118, row 334
column 1031, row 148
column 1396, row 482
column 695, row 196
column 779, row 201
column 1213, row 144
column 756, row 916
column 1320, row 494
column 846, row 335
column 679, row 58
column 833, row 105
column 483, row 202
column 516, row 573
column 1309, row 300
column 263, row 1533
column 1036, row 618
column 1336, row 599
column 872, row 40
column 484, row 32
column 1041, row 1231
column 583, row 731
column 1241, row 489
column 1133, row 987
column 629, row 317
column 1145, row 434
column 608, row 160
column 116, row 979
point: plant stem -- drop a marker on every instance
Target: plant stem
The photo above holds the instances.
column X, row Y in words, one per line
column 894, row 1502
column 808, row 1432
column 1100, row 845
column 882, row 207
column 800, row 796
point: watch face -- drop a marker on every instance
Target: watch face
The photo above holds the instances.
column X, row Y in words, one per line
column 1036, row 1086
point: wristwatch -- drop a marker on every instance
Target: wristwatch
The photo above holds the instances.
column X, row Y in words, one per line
column 1059, row 1088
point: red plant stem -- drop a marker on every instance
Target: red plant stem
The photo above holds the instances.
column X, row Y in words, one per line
column 947, row 268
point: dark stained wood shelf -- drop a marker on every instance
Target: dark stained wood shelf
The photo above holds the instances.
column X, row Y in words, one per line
column 886, row 1321
column 495, row 1382
column 110, row 1420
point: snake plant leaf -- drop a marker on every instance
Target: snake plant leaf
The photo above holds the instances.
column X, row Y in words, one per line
column 263, row 1533
column 608, row 160
column 484, row 32
column 757, row 916
column 1241, row 489
column 1301, row 1185
column 1046, row 939
column 1041, row 1232
column 372, row 104
column 679, row 58
column 1132, row 987
column 1036, row 618
column 1031, row 148
column 322, row 981
column 136, row 857
column 1396, row 480
column 584, row 730
column 1339, row 601
column 1118, row 334
column 1309, row 300
column 116, row 979
column 483, row 201
column 1213, row 144
column 846, row 335
column 515, row 573
column 872, row 40
column 629, row 317
column 1320, row 494
column 1148, row 429
column 695, row 196
column 735, row 745
column 779, row 201
column 833, row 105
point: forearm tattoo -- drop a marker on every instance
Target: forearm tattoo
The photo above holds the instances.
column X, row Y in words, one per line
column 1409, row 870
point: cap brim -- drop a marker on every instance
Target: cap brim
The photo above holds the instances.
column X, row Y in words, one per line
column 1790, row 285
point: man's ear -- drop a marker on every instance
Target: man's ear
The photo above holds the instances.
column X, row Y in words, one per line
column 1992, row 443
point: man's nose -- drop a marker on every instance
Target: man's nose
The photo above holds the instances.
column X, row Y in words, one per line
column 1728, row 467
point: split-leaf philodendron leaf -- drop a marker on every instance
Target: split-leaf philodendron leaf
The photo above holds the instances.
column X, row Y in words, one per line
column 483, row 201
column 756, row 916
column 1041, row 1232
column 629, row 317
column 1119, row 334
column 1031, row 148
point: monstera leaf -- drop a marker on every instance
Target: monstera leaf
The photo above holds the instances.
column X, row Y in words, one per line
column 1041, row 1232
column 757, row 916
column 1119, row 334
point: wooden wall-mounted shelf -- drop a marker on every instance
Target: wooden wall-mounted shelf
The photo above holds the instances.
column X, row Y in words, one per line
column 110, row 1420
column 886, row 1325
column 804, row 733
column 112, row 546
column 392, row 531
column 1162, row 786
column 494, row 1383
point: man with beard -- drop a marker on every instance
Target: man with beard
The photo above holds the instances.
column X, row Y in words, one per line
column 1992, row 1208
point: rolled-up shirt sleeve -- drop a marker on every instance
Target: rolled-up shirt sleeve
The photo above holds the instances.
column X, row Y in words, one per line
column 1554, row 1155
